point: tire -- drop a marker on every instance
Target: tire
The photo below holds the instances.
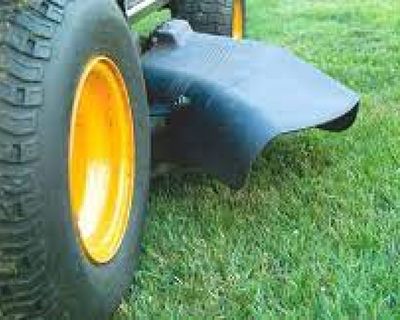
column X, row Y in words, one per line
column 45, row 273
column 211, row 16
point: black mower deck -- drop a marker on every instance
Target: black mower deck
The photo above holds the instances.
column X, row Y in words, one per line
column 226, row 100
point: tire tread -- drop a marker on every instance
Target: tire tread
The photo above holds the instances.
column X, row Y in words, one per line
column 26, row 31
column 208, row 16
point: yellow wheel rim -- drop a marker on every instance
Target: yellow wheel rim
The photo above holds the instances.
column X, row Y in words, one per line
column 101, row 160
column 238, row 19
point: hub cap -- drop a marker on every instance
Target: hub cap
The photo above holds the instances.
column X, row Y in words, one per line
column 101, row 160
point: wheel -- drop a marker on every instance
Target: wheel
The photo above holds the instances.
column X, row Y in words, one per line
column 226, row 17
column 74, row 159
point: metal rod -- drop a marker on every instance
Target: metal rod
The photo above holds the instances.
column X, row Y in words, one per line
column 143, row 8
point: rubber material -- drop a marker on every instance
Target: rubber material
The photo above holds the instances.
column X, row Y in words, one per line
column 228, row 99
column 208, row 16
column 44, row 46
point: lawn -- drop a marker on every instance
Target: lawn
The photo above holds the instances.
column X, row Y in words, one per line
column 315, row 234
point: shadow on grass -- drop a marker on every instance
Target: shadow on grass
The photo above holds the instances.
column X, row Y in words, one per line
column 288, row 158
column 292, row 157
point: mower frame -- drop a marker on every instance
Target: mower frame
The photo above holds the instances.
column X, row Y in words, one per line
column 138, row 9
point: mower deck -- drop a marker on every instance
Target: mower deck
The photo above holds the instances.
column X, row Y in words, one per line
column 224, row 100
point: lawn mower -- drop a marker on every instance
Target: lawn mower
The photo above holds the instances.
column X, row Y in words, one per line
column 88, row 109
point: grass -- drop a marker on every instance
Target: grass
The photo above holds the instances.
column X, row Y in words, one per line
column 316, row 232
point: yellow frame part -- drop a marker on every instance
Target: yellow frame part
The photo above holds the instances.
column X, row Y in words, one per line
column 238, row 19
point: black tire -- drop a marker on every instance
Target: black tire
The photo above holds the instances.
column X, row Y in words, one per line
column 44, row 46
column 208, row 16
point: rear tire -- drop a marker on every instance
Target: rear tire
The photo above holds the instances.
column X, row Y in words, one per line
column 212, row 16
column 44, row 48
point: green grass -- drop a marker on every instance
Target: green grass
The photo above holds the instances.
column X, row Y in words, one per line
column 316, row 232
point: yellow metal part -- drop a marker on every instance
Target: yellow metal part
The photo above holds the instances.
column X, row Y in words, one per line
column 238, row 19
column 101, row 160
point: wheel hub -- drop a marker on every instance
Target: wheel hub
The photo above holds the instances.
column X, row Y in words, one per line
column 101, row 160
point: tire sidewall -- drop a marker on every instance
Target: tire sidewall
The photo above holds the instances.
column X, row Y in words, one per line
column 90, row 28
